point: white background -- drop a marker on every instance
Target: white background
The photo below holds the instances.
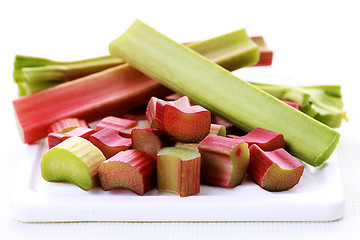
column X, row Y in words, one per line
column 316, row 42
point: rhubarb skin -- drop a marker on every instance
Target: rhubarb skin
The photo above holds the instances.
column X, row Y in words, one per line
column 67, row 124
column 224, row 161
column 109, row 142
column 186, row 124
column 178, row 170
column 149, row 140
column 56, row 138
column 75, row 160
column 274, row 170
column 131, row 169
column 267, row 140
column 116, row 123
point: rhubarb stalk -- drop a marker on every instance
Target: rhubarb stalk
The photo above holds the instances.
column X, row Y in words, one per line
column 110, row 92
column 216, row 89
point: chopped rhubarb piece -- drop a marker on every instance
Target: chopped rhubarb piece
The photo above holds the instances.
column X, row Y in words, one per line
column 224, row 161
column 266, row 54
column 127, row 132
column 154, row 110
column 149, row 140
column 274, row 170
column 293, row 104
column 115, row 123
column 178, row 170
column 67, row 124
column 109, row 142
column 217, row 130
column 267, row 140
column 56, row 138
column 185, row 124
column 74, row 160
column 132, row 169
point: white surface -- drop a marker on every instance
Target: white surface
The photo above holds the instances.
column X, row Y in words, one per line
column 318, row 41
column 317, row 197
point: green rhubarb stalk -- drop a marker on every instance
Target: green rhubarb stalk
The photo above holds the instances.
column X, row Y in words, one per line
column 35, row 74
column 216, row 89
column 324, row 102
column 110, row 92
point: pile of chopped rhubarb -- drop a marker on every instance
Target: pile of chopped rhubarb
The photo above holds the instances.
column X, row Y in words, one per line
column 177, row 148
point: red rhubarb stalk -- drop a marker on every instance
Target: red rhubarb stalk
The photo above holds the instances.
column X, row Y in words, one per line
column 110, row 92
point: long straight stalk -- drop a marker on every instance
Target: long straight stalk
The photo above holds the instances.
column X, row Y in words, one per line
column 219, row 91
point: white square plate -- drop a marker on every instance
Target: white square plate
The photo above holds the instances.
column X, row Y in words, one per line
column 318, row 197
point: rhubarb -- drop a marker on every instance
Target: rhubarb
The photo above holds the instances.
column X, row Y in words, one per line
column 35, row 74
column 55, row 138
column 149, row 140
column 131, row 169
column 115, row 123
column 224, row 161
column 274, row 170
column 75, row 160
column 140, row 124
column 323, row 103
column 178, row 170
column 216, row 89
column 109, row 142
column 186, row 124
column 265, row 139
column 110, row 92
column 266, row 54
column 67, row 124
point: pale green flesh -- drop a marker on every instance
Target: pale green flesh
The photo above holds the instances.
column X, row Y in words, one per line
column 180, row 152
column 59, row 164
column 217, row 90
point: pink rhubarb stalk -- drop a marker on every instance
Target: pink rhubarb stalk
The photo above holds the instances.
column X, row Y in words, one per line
column 55, row 138
column 116, row 123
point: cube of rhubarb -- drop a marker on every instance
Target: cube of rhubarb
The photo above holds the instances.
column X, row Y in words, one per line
column 115, row 123
column 149, row 140
column 75, row 160
column 67, row 124
column 56, row 138
column 154, row 110
column 224, row 161
column 127, row 132
column 186, row 124
column 132, row 169
column 217, row 129
column 267, row 140
column 109, row 142
column 178, row 170
column 274, row 170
